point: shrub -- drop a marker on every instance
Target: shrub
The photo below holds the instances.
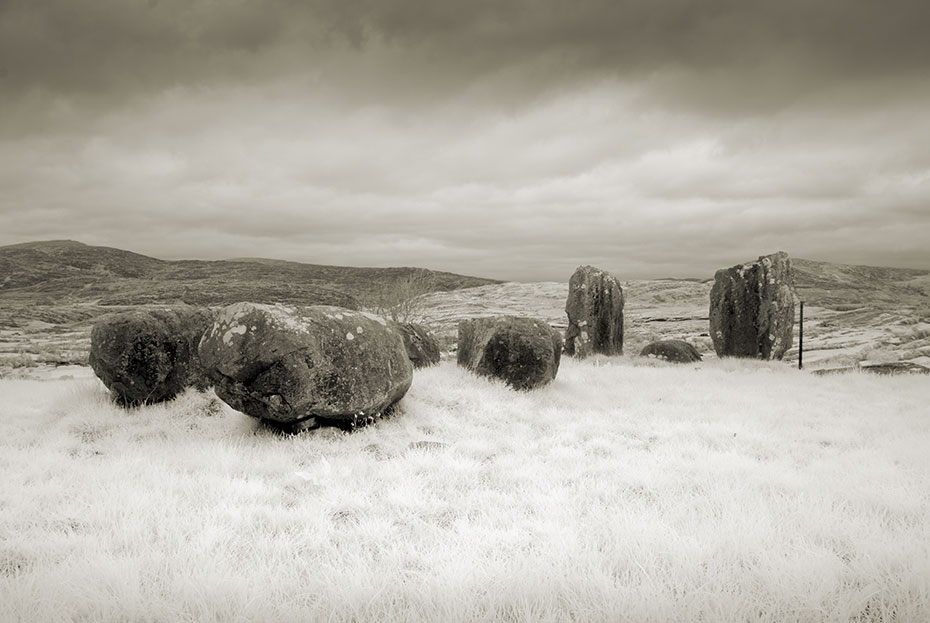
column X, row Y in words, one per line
column 402, row 300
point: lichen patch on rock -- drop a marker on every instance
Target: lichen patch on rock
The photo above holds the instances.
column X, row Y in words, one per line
column 228, row 336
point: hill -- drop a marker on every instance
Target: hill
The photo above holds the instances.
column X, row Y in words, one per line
column 66, row 281
column 843, row 286
column 51, row 292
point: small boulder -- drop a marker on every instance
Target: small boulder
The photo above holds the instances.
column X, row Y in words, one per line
column 524, row 352
column 595, row 313
column 894, row 367
column 675, row 351
column 149, row 356
column 299, row 366
column 752, row 309
column 422, row 347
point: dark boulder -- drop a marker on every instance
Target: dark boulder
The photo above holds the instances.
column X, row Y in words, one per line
column 149, row 356
column 752, row 309
column 524, row 352
column 422, row 347
column 298, row 366
column 675, row 351
column 595, row 313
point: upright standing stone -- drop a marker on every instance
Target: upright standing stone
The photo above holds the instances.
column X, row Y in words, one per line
column 524, row 352
column 595, row 313
column 752, row 309
column 149, row 355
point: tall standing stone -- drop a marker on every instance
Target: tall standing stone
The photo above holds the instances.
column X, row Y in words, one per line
column 752, row 308
column 595, row 313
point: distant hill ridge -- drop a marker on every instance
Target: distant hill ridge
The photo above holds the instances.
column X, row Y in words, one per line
column 66, row 271
column 843, row 285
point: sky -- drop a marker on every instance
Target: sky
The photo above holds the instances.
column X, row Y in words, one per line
column 513, row 139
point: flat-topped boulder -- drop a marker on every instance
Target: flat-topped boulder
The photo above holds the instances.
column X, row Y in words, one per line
column 894, row 367
column 674, row 351
column 595, row 313
column 306, row 365
column 150, row 355
column 752, row 309
column 524, row 352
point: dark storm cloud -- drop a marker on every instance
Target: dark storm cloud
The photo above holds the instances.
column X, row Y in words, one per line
column 91, row 45
column 746, row 51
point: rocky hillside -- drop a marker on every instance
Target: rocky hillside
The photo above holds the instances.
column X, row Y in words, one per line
column 844, row 287
column 62, row 281
column 52, row 292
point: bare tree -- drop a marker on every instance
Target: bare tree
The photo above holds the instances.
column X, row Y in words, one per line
column 403, row 300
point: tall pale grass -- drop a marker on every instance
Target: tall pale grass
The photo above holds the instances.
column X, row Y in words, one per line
column 727, row 491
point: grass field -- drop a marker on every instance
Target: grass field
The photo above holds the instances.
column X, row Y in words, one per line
column 624, row 491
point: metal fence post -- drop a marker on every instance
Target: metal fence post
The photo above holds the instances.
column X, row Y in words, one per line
column 801, row 339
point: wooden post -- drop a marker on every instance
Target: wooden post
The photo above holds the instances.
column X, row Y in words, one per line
column 801, row 339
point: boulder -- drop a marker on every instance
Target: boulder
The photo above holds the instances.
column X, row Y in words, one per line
column 524, row 352
column 595, row 313
column 894, row 367
column 752, row 309
column 422, row 347
column 675, row 351
column 149, row 356
column 302, row 366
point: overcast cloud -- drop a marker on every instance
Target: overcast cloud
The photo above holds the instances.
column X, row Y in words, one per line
column 505, row 139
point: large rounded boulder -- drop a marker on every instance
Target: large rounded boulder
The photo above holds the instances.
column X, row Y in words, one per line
column 674, row 351
column 752, row 309
column 422, row 346
column 524, row 352
column 595, row 313
column 149, row 356
column 298, row 365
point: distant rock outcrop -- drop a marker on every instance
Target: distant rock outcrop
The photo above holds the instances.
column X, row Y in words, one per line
column 149, row 356
column 595, row 313
column 422, row 347
column 675, row 351
column 297, row 366
column 752, row 309
column 524, row 352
